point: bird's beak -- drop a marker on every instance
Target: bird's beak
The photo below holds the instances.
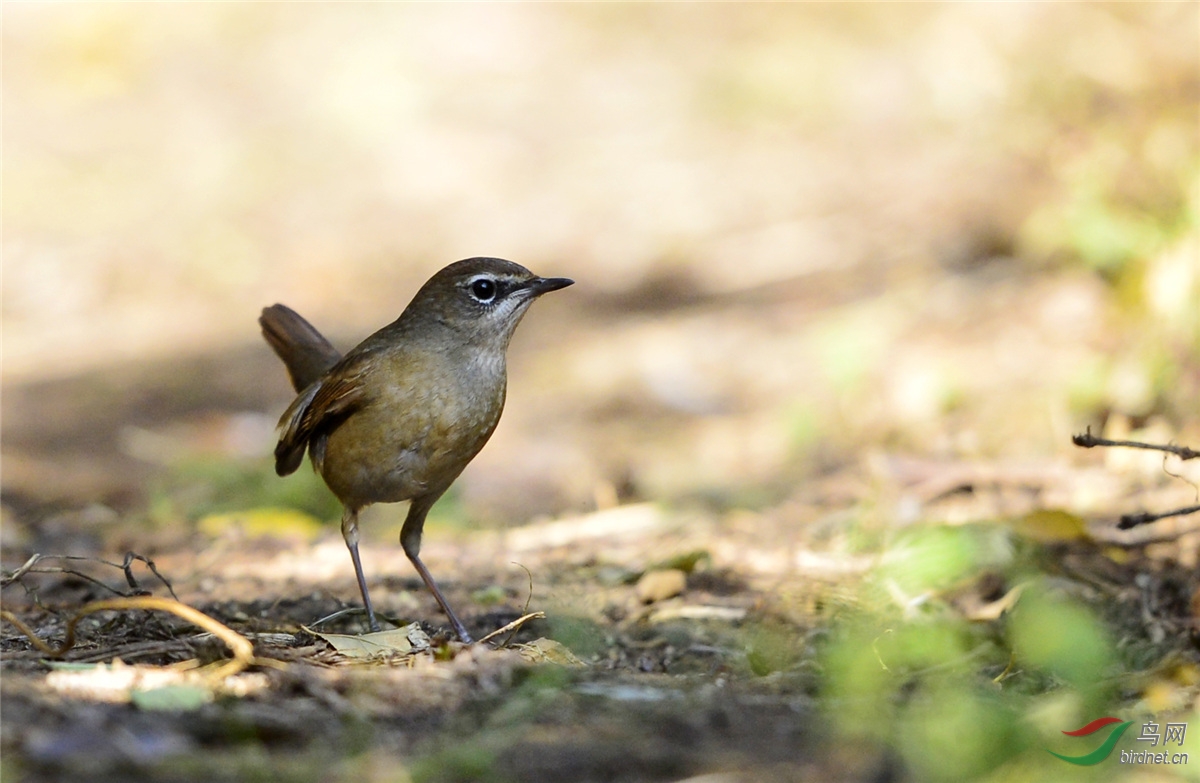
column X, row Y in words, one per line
column 544, row 285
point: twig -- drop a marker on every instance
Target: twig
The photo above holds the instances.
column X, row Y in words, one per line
column 1012, row 660
column 528, row 599
column 125, row 566
column 69, row 572
column 1133, row 520
column 513, row 626
column 1087, row 441
column 339, row 613
column 8, row 579
column 134, row 650
column 1127, row 521
column 529, row 574
column 875, row 648
column 240, row 646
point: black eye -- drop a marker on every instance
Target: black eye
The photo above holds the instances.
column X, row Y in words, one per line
column 484, row 289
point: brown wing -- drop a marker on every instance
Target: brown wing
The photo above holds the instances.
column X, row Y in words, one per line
column 318, row 410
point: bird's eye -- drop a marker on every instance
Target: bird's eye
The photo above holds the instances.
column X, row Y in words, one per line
column 484, row 289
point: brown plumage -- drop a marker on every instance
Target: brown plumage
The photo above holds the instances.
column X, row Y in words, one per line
column 402, row 414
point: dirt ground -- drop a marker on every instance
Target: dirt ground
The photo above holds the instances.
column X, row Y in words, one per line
column 788, row 473
column 723, row 674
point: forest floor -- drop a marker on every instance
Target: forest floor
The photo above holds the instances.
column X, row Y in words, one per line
column 718, row 635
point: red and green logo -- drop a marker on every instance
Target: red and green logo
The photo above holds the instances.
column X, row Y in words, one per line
column 1100, row 753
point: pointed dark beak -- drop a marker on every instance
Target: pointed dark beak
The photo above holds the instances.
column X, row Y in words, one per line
column 544, row 285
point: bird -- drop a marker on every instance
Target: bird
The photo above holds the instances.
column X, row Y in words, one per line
column 400, row 415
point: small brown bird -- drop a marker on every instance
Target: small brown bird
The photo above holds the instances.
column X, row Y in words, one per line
column 401, row 415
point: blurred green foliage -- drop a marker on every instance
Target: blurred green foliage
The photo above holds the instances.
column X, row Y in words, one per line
column 492, row 595
column 450, row 512
column 935, row 558
column 1104, row 227
column 770, row 648
column 1060, row 637
column 459, row 762
column 583, row 636
column 956, row 698
column 805, row 428
column 201, row 486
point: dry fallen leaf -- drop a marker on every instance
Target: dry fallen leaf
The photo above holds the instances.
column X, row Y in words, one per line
column 381, row 644
column 545, row 650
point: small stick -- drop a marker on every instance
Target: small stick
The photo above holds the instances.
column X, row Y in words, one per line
column 1127, row 521
column 1133, row 520
column 126, row 566
column 240, row 646
column 514, row 625
column 528, row 599
column 28, row 568
column 69, row 572
column 1087, row 441
column 8, row 579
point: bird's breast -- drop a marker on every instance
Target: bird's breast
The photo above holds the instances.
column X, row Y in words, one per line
column 418, row 429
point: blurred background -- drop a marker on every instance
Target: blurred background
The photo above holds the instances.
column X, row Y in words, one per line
column 798, row 231
column 824, row 253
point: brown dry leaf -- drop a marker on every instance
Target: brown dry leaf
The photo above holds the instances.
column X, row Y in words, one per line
column 381, row 644
column 545, row 650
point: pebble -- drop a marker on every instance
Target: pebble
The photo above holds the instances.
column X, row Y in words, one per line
column 661, row 585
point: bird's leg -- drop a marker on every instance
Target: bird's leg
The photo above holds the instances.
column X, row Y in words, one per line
column 350, row 533
column 410, row 539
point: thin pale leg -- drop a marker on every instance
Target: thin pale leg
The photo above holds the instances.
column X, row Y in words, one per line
column 410, row 540
column 350, row 533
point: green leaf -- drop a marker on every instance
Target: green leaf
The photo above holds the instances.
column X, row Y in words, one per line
column 179, row 698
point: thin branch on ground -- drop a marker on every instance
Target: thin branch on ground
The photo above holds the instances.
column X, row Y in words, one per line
column 68, row 572
column 513, row 626
column 131, row 651
column 8, row 579
column 240, row 646
column 1128, row 521
column 1087, row 440
column 528, row 599
column 28, row 567
column 127, row 568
